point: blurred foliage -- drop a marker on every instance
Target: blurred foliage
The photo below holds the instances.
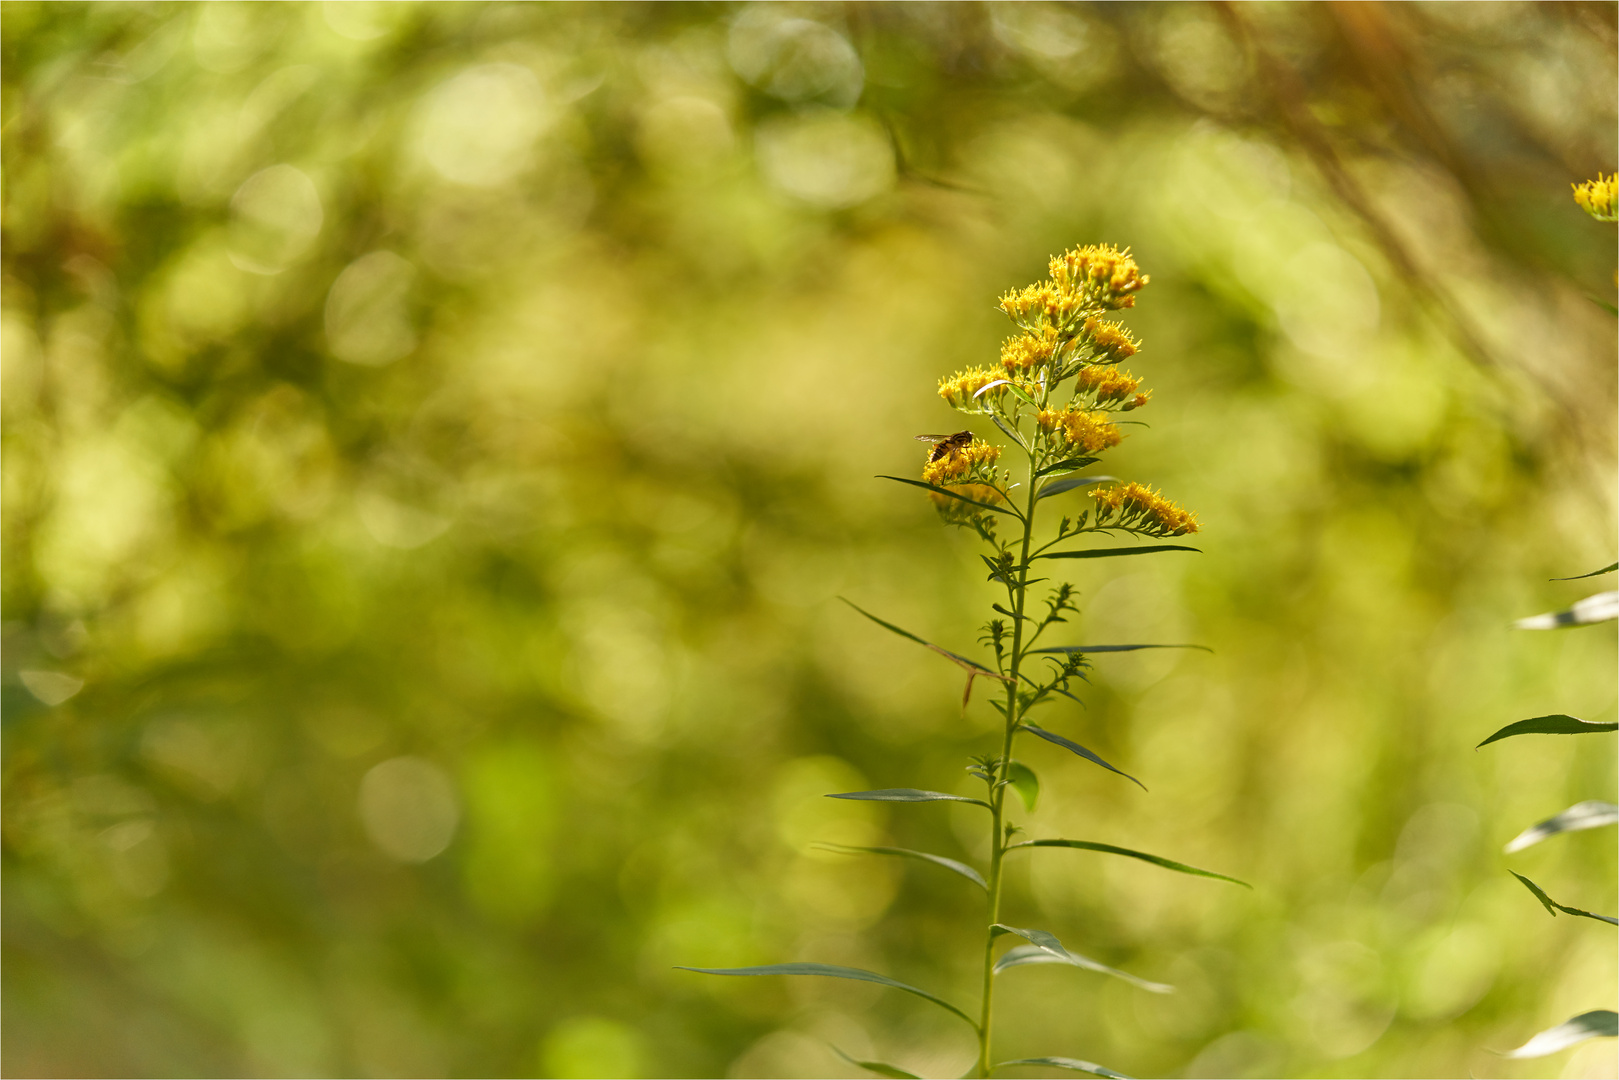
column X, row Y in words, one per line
column 434, row 436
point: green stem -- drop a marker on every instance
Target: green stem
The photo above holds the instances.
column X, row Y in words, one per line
column 997, row 797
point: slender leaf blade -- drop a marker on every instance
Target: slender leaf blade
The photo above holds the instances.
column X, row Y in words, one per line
column 905, row 794
column 1596, row 1024
column 1114, row 648
column 1590, row 814
column 1555, row 724
column 1022, row 780
column 1071, row 1064
column 881, row 1068
column 1610, row 568
column 1033, row 954
column 1553, row 907
column 1057, row 487
column 938, row 860
column 1067, row 465
column 1069, row 744
column 947, row 491
column 833, row 971
column 1601, row 607
column 1009, row 431
column 1115, row 552
column 972, row 665
column 1110, row 849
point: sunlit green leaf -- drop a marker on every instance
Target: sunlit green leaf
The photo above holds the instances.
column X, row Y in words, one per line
column 881, row 1068
column 1069, row 744
column 1033, row 954
column 1009, row 431
column 1071, row 1064
column 1167, row 864
column 1114, row 648
column 905, row 794
column 1553, row 907
column 971, row 665
column 938, row 860
column 1600, row 607
column 1555, row 724
column 1114, row 552
column 952, row 494
column 1022, row 780
column 834, row 972
column 1610, row 568
column 1067, row 465
column 1596, row 1024
column 1057, row 487
column 1585, row 815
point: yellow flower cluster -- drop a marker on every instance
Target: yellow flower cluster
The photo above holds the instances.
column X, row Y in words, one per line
column 1141, row 509
column 1086, row 431
column 1029, row 349
column 1101, row 270
column 1111, row 338
column 957, row 464
column 1108, row 384
column 1055, row 305
column 958, row 389
column 1599, row 197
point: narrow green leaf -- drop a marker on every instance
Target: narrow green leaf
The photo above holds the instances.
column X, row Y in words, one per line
column 1034, row 954
column 1067, row 465
column 881, row 1068
column 971, row 665
column 1610, row 568
column 1057, row 487
column 834, row 972
column 1555, row 724
column 1114, row 552
column 1553, row 907
column 906, row 794
column 1009, row 431
column 1071, row 1064
column 1585, row 815
column 1114, row 648
column 1069, row 744
column 1024, row 782
column 1167, row 864
column 1596, row 1024
column 1600, row 607
column 952, row 494
column 938, row 860
column 1043, row 940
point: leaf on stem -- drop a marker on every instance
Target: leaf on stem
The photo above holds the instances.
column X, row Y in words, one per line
column 1008, row 431
column 881, row 1068
column 972, row 666
column 1112, row 552
column 1109, row 849
column 1553, row 907
column 1610, row 568
column 1585, row 815
column 1555, row 724
column 1071, row 1064
column 938, row 860
column 952, row 494
column 1596, row 1024
column 1114, row 648
column 907, row 794
column 1593, row 609
column 1068, row 465
column 834, row 972
column 1069, row 744
column 1057, row 487
column 1022, row 780
column 1034, row 954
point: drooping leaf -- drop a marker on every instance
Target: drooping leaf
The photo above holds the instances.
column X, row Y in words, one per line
column 1069, row 744
column 1057, row 487
column 1596, row 1024
column 1553, row 907
column 1041, row 939
column 907, row 794
column 1067, row 465
column 947, row 491
column 938, row 860
column 1585, row 815
column 1555, row 724
column 1034, row 954
column 1167, row 864
column 1071, row 1064
column 1114, row 552
column 881, row 1068
column 1114, row 648
column 1022, row 780
column 962, row 661
column 1593, row 609
column 834, row 972
column 1610, row 568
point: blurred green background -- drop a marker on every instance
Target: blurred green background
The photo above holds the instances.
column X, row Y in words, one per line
column 435, row 437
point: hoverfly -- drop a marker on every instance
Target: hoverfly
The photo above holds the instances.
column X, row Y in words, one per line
column 944, row 444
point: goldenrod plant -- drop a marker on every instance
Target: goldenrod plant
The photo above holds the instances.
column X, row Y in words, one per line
column 1055, row 398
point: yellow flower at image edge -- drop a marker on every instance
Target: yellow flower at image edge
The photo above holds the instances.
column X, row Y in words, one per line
column 1599, row 197
column 1135, row 502
column 959, row 464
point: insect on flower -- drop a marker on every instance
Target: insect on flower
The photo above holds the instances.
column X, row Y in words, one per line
column 946, row 443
